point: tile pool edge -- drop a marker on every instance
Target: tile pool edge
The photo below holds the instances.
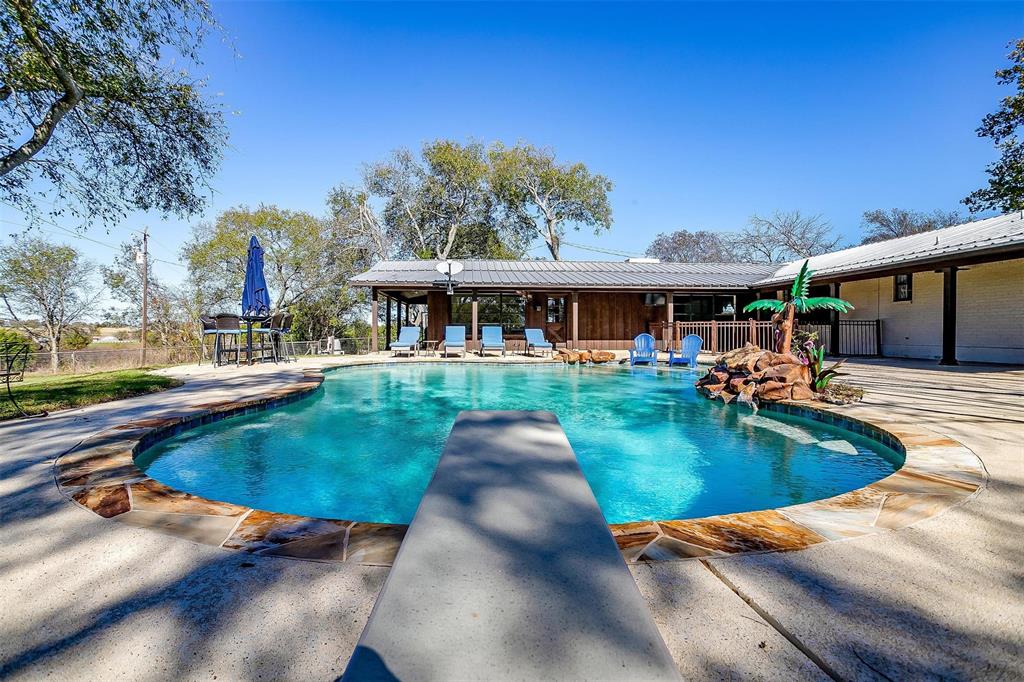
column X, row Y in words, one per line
column 100, row 475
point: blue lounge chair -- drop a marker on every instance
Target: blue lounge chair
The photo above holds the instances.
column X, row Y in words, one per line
column 535, row 341
column 687, row 354
column 408, row 341
column 455, row 339
column 643, row 351
column 492, row 338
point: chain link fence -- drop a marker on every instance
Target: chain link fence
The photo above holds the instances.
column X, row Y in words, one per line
column 110, row 359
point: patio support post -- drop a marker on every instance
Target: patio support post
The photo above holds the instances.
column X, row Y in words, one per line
column 473, row 331
column 374, row 315
column 949, row 317
column 575, row 319
column 387, row 323
column 834, row 331
column 669, row 319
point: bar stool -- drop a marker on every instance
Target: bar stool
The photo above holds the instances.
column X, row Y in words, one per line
column 228, row 327
column 266, row 331
column 208, row 327
column 279, row 331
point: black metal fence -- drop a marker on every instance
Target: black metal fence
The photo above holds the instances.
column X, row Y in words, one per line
column 856, row 337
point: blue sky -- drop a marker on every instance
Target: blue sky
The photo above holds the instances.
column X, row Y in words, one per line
column 700, row 114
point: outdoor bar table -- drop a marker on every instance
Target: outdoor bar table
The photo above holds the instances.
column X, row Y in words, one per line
column 248, row 320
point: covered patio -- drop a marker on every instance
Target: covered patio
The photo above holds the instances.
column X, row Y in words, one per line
column 594, row 305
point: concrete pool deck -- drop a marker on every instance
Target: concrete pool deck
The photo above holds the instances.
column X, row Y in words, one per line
column 86, row 597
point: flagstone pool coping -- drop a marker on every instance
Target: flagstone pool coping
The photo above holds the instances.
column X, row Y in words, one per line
column 100, row 475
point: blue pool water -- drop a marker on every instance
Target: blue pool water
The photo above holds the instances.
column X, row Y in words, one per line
column 365, row 447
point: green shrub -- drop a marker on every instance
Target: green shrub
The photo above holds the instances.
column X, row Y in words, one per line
column 14, row 350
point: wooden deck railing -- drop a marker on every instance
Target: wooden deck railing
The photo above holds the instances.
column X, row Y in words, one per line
column 856, row 337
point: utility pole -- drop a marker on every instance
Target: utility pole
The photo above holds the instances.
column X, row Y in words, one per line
column 145, row 286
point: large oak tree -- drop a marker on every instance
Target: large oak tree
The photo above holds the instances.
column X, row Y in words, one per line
column 1005, row 191
column 303, row 255
column 437, row 205
column 532, row 184
column 101, row 111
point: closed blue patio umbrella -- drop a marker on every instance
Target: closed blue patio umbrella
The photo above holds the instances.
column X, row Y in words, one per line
column 255, row 297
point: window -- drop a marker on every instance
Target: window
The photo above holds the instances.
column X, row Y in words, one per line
column 462, row 310
column 556, row 310
column 903, row 288
column 507, row 310
column 689, row 308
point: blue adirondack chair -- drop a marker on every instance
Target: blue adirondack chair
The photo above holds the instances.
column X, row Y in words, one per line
column 408, row 341
column 643, row 351
column 687, row 354
column 535, row 340
column 455, row 339
column 492, row 338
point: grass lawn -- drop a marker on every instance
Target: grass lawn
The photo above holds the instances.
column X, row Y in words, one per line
column 47, row 393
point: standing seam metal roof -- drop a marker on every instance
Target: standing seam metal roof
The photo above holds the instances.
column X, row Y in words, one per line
column 958, row 240
column 576, row 274
column 1001, row 232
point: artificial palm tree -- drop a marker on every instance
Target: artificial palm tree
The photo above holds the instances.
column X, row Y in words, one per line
column 798, row 301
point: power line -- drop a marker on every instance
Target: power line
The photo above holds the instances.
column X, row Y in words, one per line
column 89, row 239
column 63, row 229
column 597, row 249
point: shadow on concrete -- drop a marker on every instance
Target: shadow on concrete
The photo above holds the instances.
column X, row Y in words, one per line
column 84, row 596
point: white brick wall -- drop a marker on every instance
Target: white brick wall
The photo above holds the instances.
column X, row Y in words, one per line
column 990, row 313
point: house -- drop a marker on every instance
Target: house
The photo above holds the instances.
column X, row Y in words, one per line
column 948, row 294
column 951, row 294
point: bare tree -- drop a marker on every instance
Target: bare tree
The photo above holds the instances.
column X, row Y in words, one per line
column 785, row 236
column 123, row 278
column 359, row 225
column 881, row 224
column 49, row 281
column 702, row 246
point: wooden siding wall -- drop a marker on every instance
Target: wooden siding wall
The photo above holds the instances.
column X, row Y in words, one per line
column 536, row 318
column 608, row 319
column 437, row 314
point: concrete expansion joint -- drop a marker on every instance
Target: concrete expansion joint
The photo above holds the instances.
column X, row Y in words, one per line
column 774, row 622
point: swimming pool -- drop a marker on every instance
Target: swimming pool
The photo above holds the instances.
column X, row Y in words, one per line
column 365, row 446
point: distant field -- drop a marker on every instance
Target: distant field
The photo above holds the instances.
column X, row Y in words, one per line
column 111, row 345
column 48, row 393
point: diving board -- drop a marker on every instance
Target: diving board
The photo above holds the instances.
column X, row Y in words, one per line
column 509, row 571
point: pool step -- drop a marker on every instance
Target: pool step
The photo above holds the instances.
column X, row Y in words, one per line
column 509, row 571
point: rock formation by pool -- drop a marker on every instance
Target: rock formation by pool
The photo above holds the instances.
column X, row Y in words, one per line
column 750, row 372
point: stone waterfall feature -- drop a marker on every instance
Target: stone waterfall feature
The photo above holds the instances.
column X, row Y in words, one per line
column 749, row 372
